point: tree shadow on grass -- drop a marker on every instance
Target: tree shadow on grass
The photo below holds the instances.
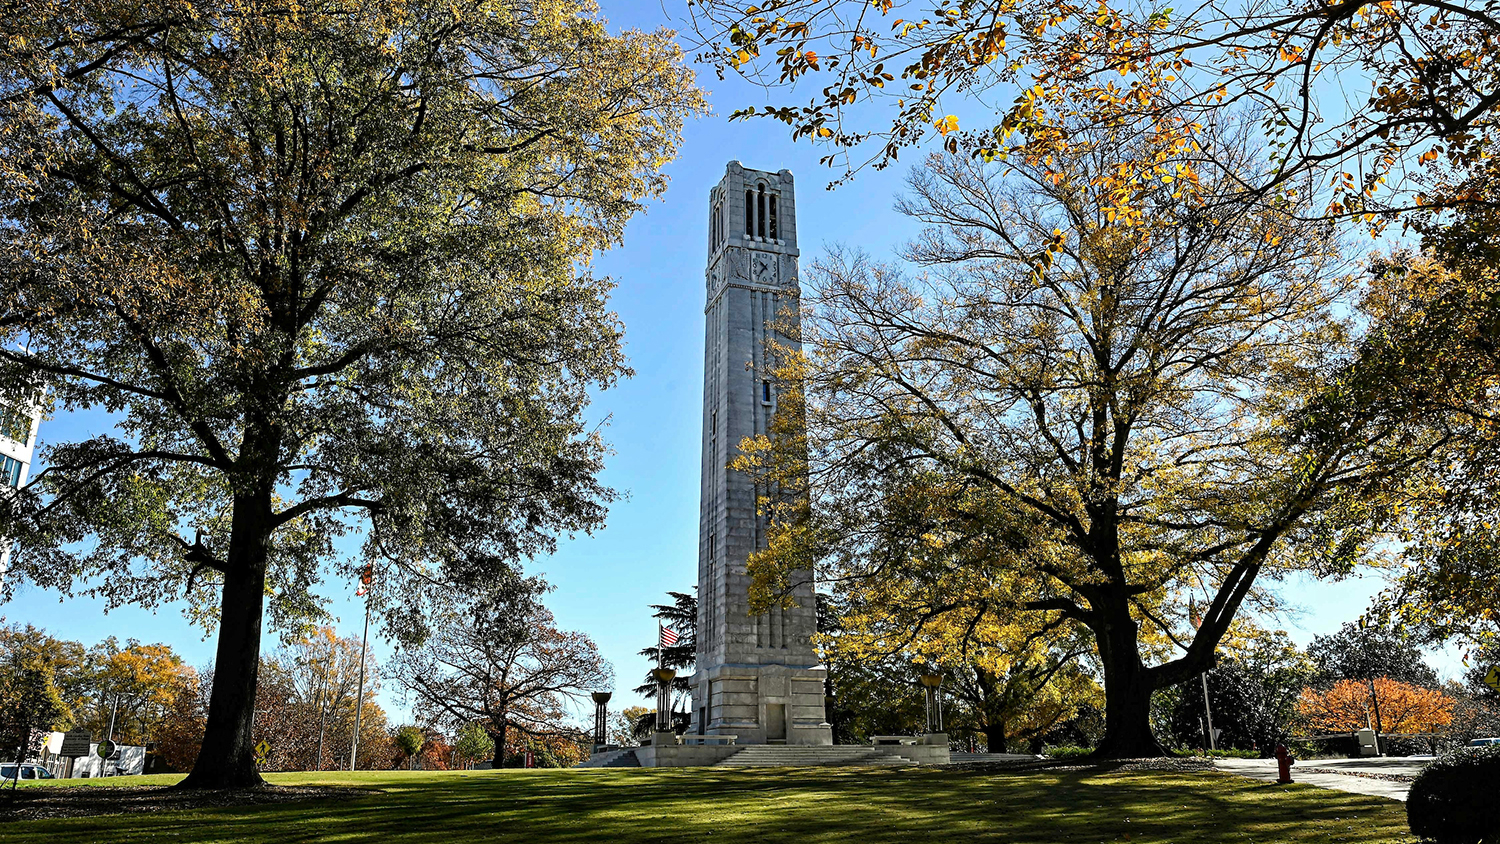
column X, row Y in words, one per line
column 766, row 805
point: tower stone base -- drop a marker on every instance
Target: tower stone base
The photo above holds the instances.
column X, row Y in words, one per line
column 761, row 704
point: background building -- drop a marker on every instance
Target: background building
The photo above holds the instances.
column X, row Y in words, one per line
column 18, row 427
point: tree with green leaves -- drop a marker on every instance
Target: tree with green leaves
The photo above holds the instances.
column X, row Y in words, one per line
column 325, row 264
column 473, row 743
column 1364, row 652
column 1131, row 412
column 1432, row 361
column 1253, row 691
column 75, row 667
column 682, row 617
column 30, row 702
column 409, row 740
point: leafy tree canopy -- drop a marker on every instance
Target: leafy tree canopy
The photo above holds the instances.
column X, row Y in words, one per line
column 30, row 703
column 1363, row 653
column 508, row 669
column 1253, row 692
column 1369, row 93
column 1348, row 706
column 1432, row 361
column 682, row 616
column 324, row 265
column 1125, row 419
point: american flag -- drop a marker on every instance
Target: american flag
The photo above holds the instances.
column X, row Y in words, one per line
column 668, row 637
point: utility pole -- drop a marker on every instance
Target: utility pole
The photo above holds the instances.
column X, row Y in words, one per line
column 1375, row 699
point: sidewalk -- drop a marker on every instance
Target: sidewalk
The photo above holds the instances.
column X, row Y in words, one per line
column 1338, row 774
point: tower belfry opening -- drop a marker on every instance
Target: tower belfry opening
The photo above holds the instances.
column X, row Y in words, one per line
column 758, row 675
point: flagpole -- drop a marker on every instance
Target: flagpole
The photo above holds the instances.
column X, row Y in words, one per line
column 359, row 696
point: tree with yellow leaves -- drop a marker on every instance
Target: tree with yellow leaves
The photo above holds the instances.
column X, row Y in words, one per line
column 1110, row 414
column 1014, row 675
column 323, row 672
column 1369, row 95
column 132, row 687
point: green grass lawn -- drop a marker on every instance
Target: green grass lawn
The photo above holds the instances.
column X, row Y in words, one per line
column 761, row 805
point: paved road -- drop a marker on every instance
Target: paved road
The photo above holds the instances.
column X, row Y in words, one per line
column 1338, row 774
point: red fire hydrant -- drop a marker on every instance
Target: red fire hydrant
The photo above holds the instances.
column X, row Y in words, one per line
column 1284, row 763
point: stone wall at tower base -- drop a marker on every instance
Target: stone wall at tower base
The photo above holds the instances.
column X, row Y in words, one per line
column 761, row 704
column 669, row 754
column 683, row 755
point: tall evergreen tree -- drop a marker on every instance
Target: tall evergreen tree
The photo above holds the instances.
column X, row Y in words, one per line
column 1365, row 653
column 682, row 616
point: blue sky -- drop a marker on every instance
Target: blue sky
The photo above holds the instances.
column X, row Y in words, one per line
column 606, row 582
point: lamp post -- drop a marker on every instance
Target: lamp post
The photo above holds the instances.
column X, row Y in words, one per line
column 933, row 683
column 600, row 699
column 664, row 678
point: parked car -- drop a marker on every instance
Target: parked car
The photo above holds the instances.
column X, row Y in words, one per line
column 29, row 771
column 1484, row 742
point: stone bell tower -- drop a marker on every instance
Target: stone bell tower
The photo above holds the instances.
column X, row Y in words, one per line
column 758, row 677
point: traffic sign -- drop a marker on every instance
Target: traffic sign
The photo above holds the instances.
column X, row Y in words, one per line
column 75, row 743
column 1492, row 679
column 105, row 749
column 262, row 752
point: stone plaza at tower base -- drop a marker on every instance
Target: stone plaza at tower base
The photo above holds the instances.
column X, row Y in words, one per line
column 669, row 751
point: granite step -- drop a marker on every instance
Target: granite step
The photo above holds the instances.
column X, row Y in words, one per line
column 784, row 756
column 621, row 758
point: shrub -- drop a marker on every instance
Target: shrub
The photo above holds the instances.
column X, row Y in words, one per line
column 1066, row 752
column 1226, row 753
column 1453, row 800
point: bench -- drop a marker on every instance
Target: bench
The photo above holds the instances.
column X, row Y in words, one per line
column 877, row 740
column 707, row 739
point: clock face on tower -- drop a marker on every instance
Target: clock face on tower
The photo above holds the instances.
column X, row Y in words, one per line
column 765, row 269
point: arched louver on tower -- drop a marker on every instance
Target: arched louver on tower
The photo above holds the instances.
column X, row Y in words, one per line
column 760, row 210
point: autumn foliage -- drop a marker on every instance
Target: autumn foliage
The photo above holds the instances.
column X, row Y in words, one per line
column 1346, row 707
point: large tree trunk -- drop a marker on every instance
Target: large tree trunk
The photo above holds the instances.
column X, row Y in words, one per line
column 227, row 759
column 498, row 734
column 1127, row 693
column 994, row 737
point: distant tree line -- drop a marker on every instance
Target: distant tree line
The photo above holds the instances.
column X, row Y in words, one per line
column 151, row 697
